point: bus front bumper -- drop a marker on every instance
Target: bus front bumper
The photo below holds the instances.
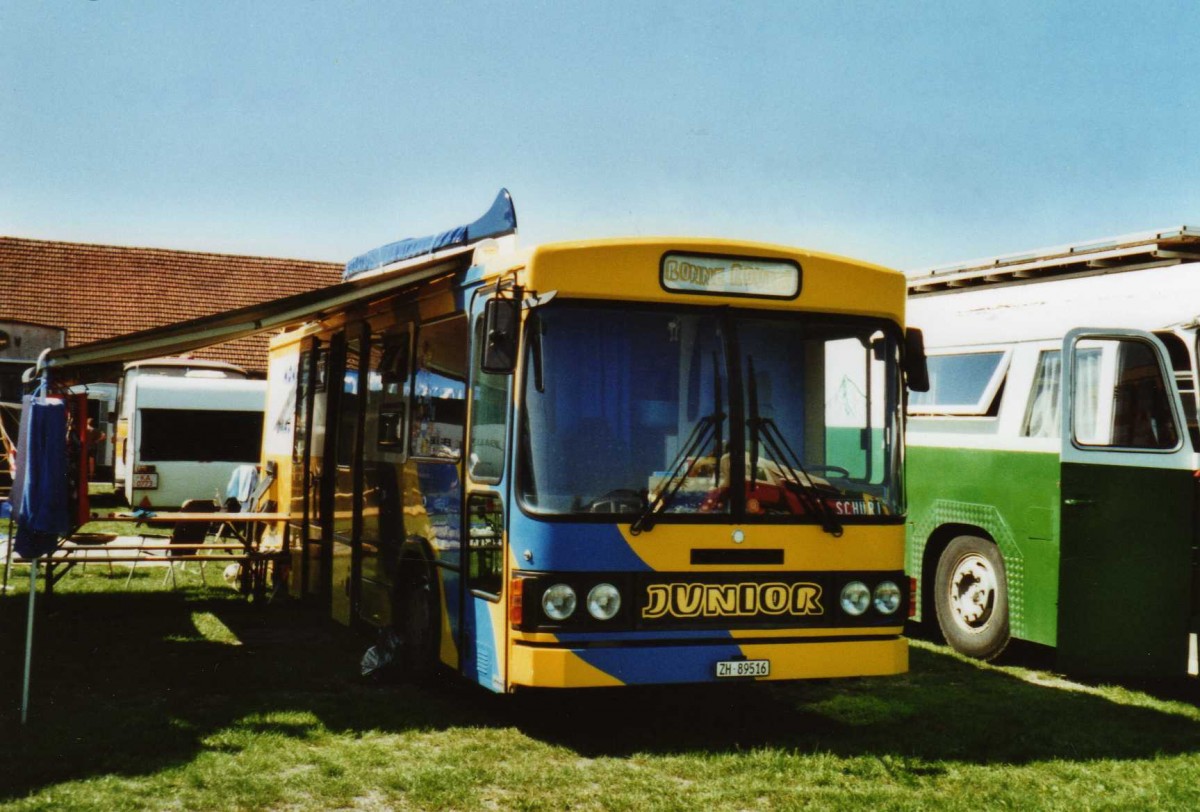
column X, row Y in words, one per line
column 544, row 666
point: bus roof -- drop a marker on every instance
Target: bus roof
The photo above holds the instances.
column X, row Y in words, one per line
column 1151, row 299
column 635, row 268
column 1150, row 249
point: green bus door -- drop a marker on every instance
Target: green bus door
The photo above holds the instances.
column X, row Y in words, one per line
column 1127, row 492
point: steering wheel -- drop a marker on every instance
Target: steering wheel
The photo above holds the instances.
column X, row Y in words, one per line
column 621, row 500
column 828, row 469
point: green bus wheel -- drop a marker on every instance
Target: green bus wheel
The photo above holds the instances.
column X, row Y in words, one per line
column 971, row 597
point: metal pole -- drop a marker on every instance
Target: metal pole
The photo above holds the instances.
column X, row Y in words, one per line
column 33, row 568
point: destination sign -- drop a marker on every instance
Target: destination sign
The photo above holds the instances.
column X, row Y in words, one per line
column 731, row 276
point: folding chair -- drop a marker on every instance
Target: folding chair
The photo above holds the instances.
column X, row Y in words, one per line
column 190, row 533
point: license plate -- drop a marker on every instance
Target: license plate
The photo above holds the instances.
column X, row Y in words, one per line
column 145, row 482
column 743, row 668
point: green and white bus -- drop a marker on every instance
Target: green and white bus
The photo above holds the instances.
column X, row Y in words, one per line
column 1053, row 463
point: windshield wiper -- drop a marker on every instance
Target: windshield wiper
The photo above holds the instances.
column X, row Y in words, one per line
column 709, row 425
column 764, row 430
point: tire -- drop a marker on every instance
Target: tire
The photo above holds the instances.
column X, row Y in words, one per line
column 417, row 621
column 971, row 598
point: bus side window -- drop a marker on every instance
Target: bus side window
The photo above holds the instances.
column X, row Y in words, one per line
column 439, row 390
column 967, row 384
column 300, row 417
column 1185, row 381
column 485, row 543
column 347, row 416
column 393, row 394
column 489, row 411
column 1042, row 414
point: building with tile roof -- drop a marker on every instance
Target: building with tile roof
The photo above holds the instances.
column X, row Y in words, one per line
column 100, row 291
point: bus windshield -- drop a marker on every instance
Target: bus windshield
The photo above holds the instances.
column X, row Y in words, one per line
column 690, row 413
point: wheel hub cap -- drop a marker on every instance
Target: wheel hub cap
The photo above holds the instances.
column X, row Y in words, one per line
column 973, row 592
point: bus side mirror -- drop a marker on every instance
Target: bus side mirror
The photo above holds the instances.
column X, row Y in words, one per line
column 501, row 318
column 916, row 370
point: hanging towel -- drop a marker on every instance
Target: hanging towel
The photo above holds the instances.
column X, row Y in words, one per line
column 43, row 516
column 241, row 486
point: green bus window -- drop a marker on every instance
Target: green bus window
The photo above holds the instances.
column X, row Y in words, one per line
column 1121, row 398
column 1042, row 416
column 962, row 384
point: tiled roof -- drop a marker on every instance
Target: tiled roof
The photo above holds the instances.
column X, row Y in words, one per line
column 101, row 291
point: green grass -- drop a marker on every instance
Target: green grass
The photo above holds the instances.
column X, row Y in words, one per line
column 103, row 499
column 152, row 698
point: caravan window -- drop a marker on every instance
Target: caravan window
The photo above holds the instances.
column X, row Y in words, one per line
column 961, row 384
column 200, row 435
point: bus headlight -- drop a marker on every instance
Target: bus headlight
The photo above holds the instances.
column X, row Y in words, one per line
column 887, row 598
column 855, row 598
column 558, row 602
column 603, row 601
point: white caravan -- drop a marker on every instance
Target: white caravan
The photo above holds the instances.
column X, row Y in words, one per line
column 185, row 436
column 159, row 367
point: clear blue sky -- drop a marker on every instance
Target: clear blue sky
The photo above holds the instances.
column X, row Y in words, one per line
column 910, row 134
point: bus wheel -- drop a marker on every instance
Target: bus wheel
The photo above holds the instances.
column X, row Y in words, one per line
column 972, row 598
column 418, row 626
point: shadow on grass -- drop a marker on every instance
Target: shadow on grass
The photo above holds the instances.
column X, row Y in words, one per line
column 135, row 683
column 1037, row 657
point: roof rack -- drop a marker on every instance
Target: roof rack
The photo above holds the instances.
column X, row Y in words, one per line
column 1131, row 252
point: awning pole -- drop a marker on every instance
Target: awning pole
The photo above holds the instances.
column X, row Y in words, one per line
column 33, row 568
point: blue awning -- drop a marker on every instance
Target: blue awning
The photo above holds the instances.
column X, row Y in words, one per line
column 499, row 220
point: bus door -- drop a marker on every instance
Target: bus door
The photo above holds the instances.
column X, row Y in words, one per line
column 384, row 443
column 485, row 620
column 437, row 423
column 1127, row 493
column 346, row 518
column 317, row 500
column 301, row 440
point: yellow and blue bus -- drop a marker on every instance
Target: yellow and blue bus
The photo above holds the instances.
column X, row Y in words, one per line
column 602, row 463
